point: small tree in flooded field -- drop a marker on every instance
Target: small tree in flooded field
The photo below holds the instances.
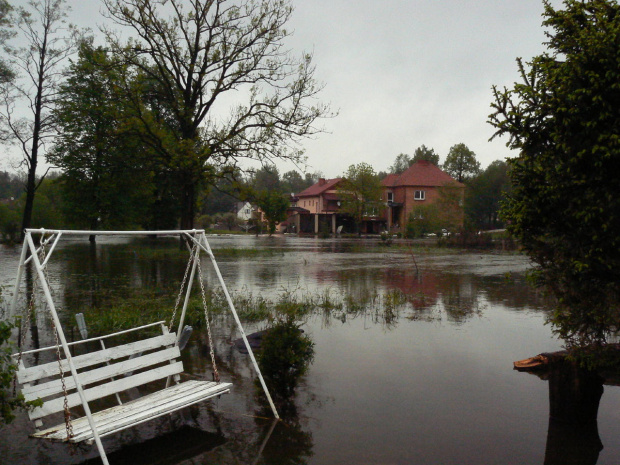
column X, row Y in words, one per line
column 564, row 119
column 285, row 356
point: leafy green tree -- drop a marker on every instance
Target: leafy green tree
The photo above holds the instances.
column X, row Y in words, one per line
column 193, row 56
column 313, row 178
column 422, row 153
column 286, row 354
column 293, row 183
column 401, row 163
column 360, row 193
column 266, row 178
column 485, row 193
column 9, row 223
column 230, row 220
column 564, row 119
column 103, row 185
column 274, row 205
column 461, row 163
column 10, row 185
column 219, row 197
column 48, row 206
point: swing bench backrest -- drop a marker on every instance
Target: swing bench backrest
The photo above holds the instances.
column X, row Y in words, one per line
column 108, row 372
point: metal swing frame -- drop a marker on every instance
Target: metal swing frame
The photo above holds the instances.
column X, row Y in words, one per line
column 196, row 237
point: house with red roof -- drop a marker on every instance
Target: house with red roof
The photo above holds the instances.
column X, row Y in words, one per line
column 317, row 208
column 421, row 184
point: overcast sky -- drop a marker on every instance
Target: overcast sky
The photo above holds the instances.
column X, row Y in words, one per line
column 402, row 73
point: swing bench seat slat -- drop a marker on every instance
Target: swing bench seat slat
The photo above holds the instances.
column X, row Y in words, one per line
column 146, row 408
column 110, row 371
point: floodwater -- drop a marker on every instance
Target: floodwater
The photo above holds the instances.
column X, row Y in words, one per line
column 427, row 382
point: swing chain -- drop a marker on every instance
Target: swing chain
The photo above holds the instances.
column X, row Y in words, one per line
column 25, row 322
column 23, row 329
column 216, row 375
column 176, row 305
column 67, row 412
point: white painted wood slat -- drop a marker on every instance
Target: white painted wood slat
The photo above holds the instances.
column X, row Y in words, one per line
column 50, row 388
column 94, row 358
column 97, row 392
column 146, row 408
column 158, row 399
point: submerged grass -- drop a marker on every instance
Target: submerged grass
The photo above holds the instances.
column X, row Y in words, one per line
column 135, row 307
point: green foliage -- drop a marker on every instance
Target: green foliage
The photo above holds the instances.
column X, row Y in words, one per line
column 9, row 222
column 423, row 153
column 266, row 179
column 10, row 185
column 461, row 163
column 106, row 180
column 360, row 193
column 485, row 192
column 273, row 205
column 285, row 355
column 564, row 119
column 401, row 163
column 293, row 183
column 8, row 401
column 47, row 211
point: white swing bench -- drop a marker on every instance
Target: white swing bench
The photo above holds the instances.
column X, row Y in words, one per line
column 72, row 381
column 108, row 372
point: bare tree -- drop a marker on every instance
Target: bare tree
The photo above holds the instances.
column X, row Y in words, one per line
column 227, row 87
column 39, row 67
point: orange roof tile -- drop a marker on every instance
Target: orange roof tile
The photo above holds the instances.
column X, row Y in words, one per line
column 421, row 173
column 320, row 187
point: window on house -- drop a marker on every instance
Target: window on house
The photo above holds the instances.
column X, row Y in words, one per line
column 419, row 195
column 390, row 196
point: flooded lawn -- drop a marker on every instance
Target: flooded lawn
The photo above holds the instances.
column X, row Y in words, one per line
column 412, row 358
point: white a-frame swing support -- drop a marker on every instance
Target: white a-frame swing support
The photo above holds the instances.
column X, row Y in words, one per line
column 94, row 426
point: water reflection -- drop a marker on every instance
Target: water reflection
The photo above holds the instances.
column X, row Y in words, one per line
column 411, row 365
column 574, row 398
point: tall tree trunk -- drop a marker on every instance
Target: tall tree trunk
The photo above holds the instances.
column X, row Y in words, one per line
column 188, row 204
column 30, row 190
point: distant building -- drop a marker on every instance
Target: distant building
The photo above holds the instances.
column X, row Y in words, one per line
column 420, row 184
column 244, row 211
column 316, row 208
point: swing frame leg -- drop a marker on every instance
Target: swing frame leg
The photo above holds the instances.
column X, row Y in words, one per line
column 204, row 245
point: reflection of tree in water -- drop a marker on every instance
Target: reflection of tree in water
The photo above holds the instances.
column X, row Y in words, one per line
column 513, row 291
column 460, row 298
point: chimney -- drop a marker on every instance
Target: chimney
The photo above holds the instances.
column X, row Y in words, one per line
column 321, row 181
